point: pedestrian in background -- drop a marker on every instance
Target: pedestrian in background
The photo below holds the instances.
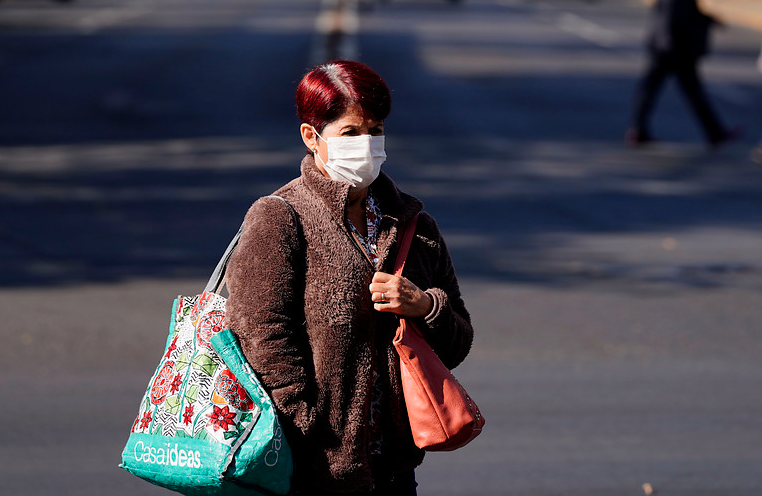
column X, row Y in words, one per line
column 677, row 39
column 315, row 304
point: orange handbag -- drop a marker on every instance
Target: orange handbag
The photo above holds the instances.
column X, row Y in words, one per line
column 443, row 417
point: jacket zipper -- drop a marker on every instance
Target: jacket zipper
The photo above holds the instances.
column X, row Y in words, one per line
column 359, row 246
column 369, row 412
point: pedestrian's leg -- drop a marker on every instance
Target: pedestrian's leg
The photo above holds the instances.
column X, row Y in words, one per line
column 687, row 76
column 659, row 67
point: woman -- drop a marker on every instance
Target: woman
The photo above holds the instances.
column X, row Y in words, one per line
column 315, row 306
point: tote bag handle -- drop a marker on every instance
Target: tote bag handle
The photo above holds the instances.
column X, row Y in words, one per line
column 217, row 280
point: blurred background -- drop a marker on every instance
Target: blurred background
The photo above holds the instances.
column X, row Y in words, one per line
column 616, row 292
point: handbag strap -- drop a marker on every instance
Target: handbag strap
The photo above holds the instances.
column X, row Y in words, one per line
column 216, row 281
column 406, row 238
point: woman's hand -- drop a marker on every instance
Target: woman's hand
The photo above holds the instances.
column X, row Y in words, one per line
column 396, row 294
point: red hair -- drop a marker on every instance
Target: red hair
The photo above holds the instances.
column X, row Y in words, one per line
column 325, row 93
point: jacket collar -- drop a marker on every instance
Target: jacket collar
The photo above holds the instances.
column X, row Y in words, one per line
column 396, row 205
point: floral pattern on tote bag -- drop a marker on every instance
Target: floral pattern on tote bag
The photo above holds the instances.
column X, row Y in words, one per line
column 193, row 394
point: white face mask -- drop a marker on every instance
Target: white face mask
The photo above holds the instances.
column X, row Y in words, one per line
column 354, row 159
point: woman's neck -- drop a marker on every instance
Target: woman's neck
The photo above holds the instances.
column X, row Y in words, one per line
column 357, row 197
column 356, row 209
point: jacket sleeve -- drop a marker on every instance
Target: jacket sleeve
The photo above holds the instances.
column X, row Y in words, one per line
column 266, row 312
column 448, row 326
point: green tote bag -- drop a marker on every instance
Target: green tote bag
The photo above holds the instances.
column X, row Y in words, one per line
column 205, row 425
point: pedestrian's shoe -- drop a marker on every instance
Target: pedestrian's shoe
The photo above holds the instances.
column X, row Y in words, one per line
column 728, row 136
column 636, row 137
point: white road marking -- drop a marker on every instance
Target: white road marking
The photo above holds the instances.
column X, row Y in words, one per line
column 336, row 29
column 588, row 30
column 106, row 18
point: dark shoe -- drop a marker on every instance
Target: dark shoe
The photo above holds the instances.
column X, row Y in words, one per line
column 634, row 137
column 730, row 135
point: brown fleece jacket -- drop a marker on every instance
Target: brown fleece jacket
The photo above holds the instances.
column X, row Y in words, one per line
column 300, row 305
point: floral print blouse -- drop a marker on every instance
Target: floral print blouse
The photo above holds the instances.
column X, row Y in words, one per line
column 370, row 244
column 373, row 219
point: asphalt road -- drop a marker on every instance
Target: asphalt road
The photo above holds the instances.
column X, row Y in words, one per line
column 616, row 293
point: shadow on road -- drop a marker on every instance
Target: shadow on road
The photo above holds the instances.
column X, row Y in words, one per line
column 135, row 154
column 110, row 212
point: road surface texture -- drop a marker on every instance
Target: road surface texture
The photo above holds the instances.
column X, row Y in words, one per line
column 616, row 293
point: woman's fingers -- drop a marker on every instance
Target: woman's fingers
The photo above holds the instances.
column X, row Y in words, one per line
column 397, row 294
column 381, row 297
column 380, row 286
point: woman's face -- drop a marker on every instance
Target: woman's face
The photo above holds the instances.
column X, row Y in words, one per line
column 353, row 122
